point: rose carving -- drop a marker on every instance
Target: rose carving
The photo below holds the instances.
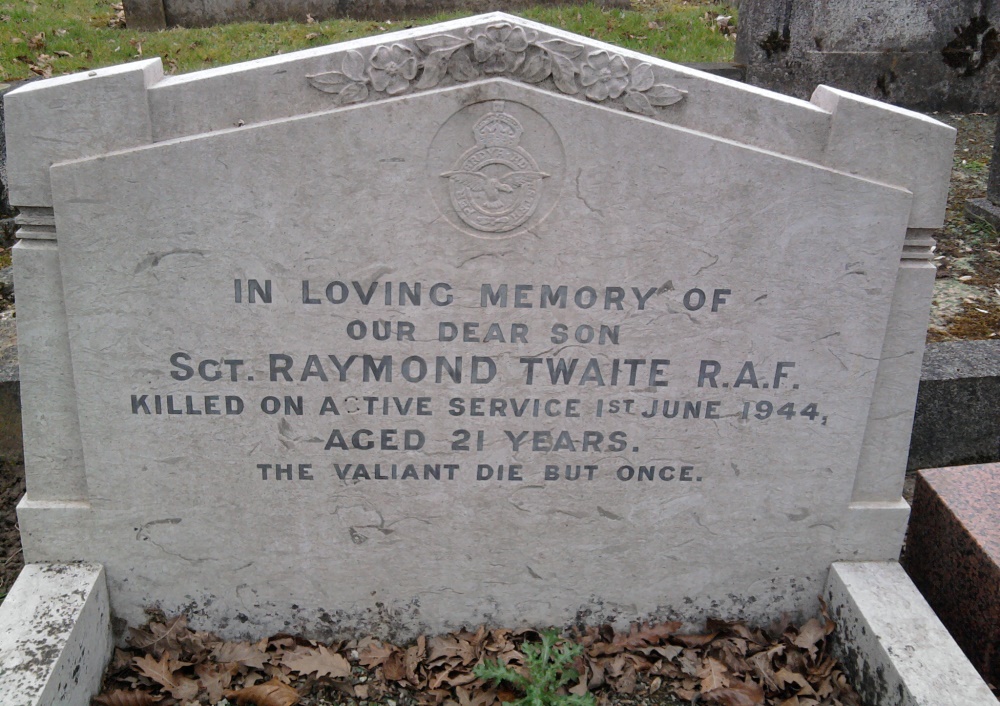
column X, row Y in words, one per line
column 604, row 76
column 392, row 68
column 501, row 49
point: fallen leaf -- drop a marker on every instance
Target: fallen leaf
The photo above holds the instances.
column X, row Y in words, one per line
column 695, row 640
column 160, row 670
column 214, row 679
column 737, row 694
column 37, row 42
column 809, row 634
column 307, row 660
column 120, row 697
column 272, row 693
column 713, row 675
column 241, row 653
column 159, row 636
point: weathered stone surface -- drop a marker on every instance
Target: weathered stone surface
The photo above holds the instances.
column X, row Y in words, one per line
column 957, row 419
column 923, row 54
column 893, row 645
column 953, row 556
column 258, row 318
column 55, row 636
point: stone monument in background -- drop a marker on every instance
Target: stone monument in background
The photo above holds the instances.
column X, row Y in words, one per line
column 922, row 54
column 988, row 209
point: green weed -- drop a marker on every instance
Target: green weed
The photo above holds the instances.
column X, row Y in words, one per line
column 549, row 666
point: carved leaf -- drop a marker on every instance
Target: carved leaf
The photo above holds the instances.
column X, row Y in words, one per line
column 439, row 42
column 353, row 93
column 354, row 65
column 564, row 74
column 562, row 47
column 536, row 67
column 435, row 67
column 662, row 94
column 638, row 103
column 642, row 78
column 329, row 82
column 120, row 697
column 272, row 693
column 461, row 68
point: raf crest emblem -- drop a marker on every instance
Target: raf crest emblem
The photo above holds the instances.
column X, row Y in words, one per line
column 496, row 185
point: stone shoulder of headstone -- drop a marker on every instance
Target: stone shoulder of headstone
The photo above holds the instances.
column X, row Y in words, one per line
column 466, row 323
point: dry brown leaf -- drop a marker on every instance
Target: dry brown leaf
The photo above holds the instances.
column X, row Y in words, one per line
column 272, row 693
column 242, row 653
column 373, row 653
column 184, row 688
column 120, row 697
column 689, row 662
column 215, row 679
column 394, row 668
column 159, row 636
column 785, row 676
column 695, row 640
column 809, row 634
column 641, row 635
column 737, row 694
column 319, row 660
column 713, row 675
column 762, row 664
column 160, row 670
column 37, row 42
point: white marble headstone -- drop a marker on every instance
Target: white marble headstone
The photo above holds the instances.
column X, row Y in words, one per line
column 477, row 322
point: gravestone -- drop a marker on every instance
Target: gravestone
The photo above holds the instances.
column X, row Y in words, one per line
column 922, row 54
column 476, row 322
column 988, row 208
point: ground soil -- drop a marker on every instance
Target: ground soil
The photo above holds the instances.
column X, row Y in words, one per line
column 11, row 490
column 967, row 291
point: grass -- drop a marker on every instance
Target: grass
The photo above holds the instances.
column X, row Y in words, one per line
column 52, row 37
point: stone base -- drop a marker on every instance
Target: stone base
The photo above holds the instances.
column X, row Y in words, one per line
column 893, row 647
column 983, row 210
column 55, row 636
column 953, row 555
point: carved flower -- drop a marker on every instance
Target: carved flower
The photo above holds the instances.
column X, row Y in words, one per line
column 392, row 68
column 604, row 76
column 500, row 48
